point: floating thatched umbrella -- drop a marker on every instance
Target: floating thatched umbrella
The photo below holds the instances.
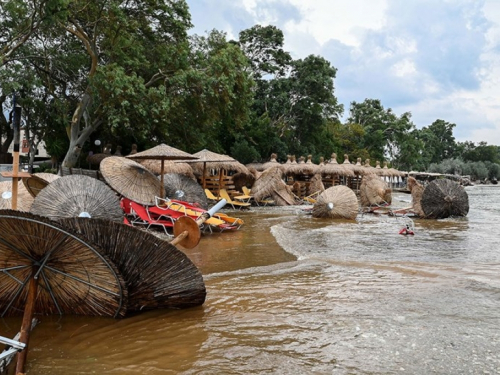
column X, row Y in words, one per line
column 443, row 198
column 168, row 167
column 374, row 191
column 77, row 196
column 336, row 202
column 24, row 198
column 37, row 181
column 178, row 186
column 416, row 190
column 157, row 274
column 271, row 184
column 73, row 275
column 131, row 180
column 162, row 152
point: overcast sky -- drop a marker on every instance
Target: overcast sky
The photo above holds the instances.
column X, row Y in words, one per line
column 438, row 59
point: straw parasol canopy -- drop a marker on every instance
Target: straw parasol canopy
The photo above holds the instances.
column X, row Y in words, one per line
column 183, row 188
column 157, row 274
column 37, row 181
column 134, row 149
column 374, row 191
column 271, row 183
column 73, row 275
column 272, row 163
column 77, row 195
column 168, row 167
column 24, row 198
column 302, row 167
column 334, row 168
column 316, row 184
column 336, row 202
column 443, row 198
column 131, row 180
column 416, row 190
column 162, row 152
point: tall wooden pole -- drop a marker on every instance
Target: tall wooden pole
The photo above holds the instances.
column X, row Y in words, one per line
column 29, row 310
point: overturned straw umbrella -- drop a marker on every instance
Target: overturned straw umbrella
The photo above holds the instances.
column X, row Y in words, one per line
column 443, row 198
column 156, row 273
column 24, row 198
column 70, row 274
column 271, row 184
column 374, row 191
column 416, row 190
column 181, row 187
column 336, row 202
column 77, row 196
column 316, row 185
column 37, row 181
column 131, row 180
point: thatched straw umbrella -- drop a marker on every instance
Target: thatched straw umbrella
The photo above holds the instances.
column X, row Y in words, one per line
column 24, row 198
column 416, row 190
column 77, row 195
column 37, row 181
column 336, row 202
column 134, row 149
column 131, row 180
column 181, row 187
column 443, row 198
column 336, row 169
column 272, row 163
column 69, row 274
column 321, row 161
column 157, row 274
column 255, row 173
column 168, row 167
column 271, row 184
column 316, row 185
column 162, row 152
column 374, row 191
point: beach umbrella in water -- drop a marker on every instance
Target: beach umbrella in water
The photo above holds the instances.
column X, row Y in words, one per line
column 374, row 191
column 24, row 198
column 131, row 180
column 183, row 188
column 336, row 202
column 443, row 198
column 73, row 276
column 37, row 181
column 157, row 274
column 77, row 195
column 416, row 190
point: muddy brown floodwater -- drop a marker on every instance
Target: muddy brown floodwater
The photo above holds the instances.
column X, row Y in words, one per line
column 290, row 294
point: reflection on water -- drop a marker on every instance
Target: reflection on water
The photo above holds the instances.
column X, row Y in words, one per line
column 290, row 294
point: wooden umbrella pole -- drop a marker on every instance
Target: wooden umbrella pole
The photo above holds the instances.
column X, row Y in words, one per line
column 203, row 183
column 188, row 229
column 16, row 122
column 162, row 188
column 26, row 324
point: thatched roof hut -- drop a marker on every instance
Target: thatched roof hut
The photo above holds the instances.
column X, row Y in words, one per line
column 374, row 191
column 336, row 202
column 443, row 198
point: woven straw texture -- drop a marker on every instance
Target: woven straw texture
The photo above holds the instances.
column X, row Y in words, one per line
column 24, row 198
column 183, row 188
column 444, row 198
column 336, row 202
column 70, row 196
column 76, row 277
column 37, row 181
column 374, row 191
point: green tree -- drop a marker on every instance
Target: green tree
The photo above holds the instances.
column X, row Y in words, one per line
column 439, row 142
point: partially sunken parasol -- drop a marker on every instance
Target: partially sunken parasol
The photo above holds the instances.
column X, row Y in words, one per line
column 443, row 198
column 336, row 202
column 416, row 190
column 157, row 274
column 69, row 274
column 78, row 196
column 162, row 152
column 183, row 188
column 37, row 181
column 131, row 180
column 24, row 198
column 374, row 191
